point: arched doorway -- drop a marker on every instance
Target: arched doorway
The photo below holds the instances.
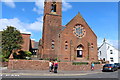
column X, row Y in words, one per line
column 80, row 51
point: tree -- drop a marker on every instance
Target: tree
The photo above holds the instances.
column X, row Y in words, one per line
column 11, row 40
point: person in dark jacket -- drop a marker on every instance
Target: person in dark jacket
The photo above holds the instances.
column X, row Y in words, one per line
column 55, row 67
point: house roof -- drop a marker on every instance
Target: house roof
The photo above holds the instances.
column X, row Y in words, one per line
column 108, row 44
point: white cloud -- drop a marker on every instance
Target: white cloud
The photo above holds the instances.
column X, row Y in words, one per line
column 40, row 6
column 37, row 25
column 23, row 27
column 66, row 6
column 9, row 3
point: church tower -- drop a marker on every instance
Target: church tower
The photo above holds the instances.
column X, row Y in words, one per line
column 51, row 27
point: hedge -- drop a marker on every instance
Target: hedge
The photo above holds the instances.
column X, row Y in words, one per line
column 80, row 63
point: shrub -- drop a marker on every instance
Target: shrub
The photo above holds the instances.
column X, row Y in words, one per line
column 28, row 53
column 22, row 55
column 79, row 63
column 3, row 59
column 6, row 60
column 47, row 59
column 41, row 59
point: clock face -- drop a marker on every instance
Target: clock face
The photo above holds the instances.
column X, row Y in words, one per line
column 79, row 31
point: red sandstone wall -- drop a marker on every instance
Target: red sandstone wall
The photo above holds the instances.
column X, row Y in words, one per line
column 67, row 35
column 3, row 64
column 28, row 65
column 43, row 65
column 26, row 44
column 32, row 43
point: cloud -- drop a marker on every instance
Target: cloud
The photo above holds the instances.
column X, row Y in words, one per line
column 9, row 3
column 110, row 41
column 37, row 25
column 39, row 6
column 23, row 27
column 66, row 6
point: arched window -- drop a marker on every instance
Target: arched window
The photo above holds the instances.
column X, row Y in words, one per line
column 92, row 45
column 80, row 51
column 53, row 44
column 66, row 45
column 53, row 7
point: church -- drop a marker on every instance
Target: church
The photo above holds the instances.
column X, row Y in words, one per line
column 73, row 42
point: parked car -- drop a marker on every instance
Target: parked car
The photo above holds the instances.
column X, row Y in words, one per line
column 110, row 67
column 118, row 65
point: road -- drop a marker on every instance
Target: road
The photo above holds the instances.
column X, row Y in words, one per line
column 60, row 74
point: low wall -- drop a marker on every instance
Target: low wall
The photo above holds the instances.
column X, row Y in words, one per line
column 67, row 66
column 3, row 64
column 28, row 65
column 44, row 65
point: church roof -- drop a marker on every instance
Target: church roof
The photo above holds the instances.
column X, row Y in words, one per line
column 80, row 16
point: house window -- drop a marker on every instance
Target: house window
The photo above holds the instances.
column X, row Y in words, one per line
column 103, row 59
column 111, row 52
column 53, row 44
column 111, row 59
column 108, row 47
column 100, row 53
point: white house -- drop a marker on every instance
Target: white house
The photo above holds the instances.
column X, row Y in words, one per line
column 107, row 52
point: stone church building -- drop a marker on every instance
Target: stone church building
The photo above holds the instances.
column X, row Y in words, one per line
column 73, row 42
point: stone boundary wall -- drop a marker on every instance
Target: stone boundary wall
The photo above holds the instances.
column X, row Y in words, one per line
column 44, row 65
column 28, row 65
column 3, row 64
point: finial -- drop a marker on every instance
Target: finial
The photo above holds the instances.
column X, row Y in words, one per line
column 78, row 13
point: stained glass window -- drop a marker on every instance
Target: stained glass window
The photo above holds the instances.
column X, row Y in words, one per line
column 79, row 31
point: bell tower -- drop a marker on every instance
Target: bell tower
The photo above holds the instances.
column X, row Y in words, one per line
column 51, row 27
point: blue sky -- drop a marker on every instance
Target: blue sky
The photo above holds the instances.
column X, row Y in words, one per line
column 102, row 17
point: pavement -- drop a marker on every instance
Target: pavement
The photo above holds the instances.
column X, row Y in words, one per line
column 7, row 72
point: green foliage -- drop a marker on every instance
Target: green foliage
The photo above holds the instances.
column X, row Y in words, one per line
column 79, row 63
column 56, row 59
column 3, row 59
column 11, row 40
column 96, row 62
column 22, row 55
column 28, row 53
column 47, row 59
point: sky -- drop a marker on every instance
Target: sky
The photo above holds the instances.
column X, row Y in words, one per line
column 102, row 17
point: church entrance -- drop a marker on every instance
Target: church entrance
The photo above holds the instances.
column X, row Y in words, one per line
column 80, row 51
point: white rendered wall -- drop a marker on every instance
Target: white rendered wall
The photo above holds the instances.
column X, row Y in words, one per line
column 103, row 52
column 114, row 55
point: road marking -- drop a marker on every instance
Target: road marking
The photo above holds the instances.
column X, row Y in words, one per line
column 37, row 74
